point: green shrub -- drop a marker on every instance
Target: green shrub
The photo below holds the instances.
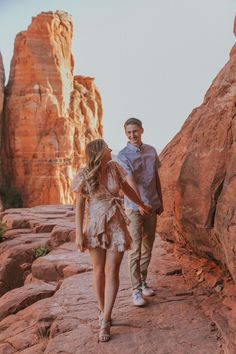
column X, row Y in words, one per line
column 41, row 251
column 3, row 229
column 10, row 197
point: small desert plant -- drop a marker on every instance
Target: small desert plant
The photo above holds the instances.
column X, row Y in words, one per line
column 41, row 251
column 43, row 331
column 3, row 229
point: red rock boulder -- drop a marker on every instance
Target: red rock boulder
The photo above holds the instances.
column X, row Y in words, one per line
column 198, row 175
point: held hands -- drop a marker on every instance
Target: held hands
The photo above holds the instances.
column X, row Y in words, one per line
column 79, row 241
column 145, row 209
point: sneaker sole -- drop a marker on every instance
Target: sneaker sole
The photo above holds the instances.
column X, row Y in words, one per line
column 149, row 295
column 136, row 305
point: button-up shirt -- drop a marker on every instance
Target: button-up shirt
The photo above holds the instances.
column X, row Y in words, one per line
column 141, row 163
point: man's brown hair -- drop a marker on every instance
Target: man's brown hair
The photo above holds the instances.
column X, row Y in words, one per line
column 133, row 121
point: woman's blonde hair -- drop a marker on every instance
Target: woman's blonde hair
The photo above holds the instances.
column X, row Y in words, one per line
column 93, row 154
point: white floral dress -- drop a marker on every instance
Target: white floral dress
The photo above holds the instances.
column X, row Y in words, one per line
column 105, row 223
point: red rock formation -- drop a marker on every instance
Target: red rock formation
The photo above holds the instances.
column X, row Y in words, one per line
column 198, row 175
column 233, row 50
column 2, row 80
column 49, row 114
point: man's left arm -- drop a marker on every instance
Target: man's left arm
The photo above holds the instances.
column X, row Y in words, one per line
column 158, row 187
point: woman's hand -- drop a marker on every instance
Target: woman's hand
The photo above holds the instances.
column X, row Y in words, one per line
column 79, row 241
column 145, row 209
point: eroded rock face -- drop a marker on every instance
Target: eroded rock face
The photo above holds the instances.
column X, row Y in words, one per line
column 233, row 50
column 2, row 80
column 198, row 175
column 50, row 115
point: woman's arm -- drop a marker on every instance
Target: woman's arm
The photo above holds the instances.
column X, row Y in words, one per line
column 133, row 185
column 132, row 195
column 79, row 219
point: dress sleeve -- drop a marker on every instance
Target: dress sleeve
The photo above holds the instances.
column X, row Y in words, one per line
column 78, row 182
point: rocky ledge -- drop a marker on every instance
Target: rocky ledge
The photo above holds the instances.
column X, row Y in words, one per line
column 48, row 305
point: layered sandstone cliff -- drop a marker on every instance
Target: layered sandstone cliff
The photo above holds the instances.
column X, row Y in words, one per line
column 49, row 113
column 199, row 175
column 2, row 80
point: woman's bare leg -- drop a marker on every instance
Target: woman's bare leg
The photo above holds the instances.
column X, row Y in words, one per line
column 98, row 257
column 112, row 269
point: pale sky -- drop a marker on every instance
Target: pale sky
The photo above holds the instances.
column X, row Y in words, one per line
column 152, row 59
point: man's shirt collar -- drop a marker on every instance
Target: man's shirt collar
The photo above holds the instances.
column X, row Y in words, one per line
column 135, row 148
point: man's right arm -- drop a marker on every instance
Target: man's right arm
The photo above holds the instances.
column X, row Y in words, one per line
column 158, row 185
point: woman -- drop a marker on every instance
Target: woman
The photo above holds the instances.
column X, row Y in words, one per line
column 105, row 233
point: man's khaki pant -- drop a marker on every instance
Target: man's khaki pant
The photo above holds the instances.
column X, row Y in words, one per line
column 142, row 230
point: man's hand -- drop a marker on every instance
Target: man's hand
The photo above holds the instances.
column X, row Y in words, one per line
column 145, row 209
column 160, row 210
column 79, row 241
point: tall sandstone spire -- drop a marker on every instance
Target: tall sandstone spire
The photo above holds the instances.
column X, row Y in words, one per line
column 198, row 175
column 49, row 114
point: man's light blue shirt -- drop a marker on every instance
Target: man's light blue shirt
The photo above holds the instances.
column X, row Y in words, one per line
column 141, row 163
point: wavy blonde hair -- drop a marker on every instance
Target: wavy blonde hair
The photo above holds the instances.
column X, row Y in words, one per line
column 93, row 154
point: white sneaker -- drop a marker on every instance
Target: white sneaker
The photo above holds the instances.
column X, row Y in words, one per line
column 138, row 299
column 146, row 291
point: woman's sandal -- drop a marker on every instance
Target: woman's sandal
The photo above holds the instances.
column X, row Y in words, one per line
column 104, row 335
column 100, row 318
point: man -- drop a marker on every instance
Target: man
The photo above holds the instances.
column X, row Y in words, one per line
column 141, row 162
